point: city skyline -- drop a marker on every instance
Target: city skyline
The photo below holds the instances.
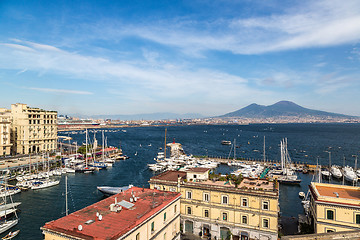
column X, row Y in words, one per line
column 211, row 58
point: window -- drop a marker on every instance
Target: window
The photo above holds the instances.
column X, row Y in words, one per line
column 224, row 199
column 206, row 213
column 189, row 195
column 188, row 210
column 328, row 230
column 330, row 214
column 152, row 226
column 164, row 217
column 164, row 236
column 265, row 223
column 172, row 189
column 206, row 197
column 175, row 208
column 244, row 220
column 244, row 202
column 138, row 236
column 265, row 205
column 357, row 218
column 225, row 216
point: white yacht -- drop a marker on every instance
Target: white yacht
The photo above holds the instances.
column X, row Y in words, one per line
column 349, row 174
column 335, row 172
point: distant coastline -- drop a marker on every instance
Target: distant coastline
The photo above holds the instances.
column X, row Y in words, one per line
column 62, row 128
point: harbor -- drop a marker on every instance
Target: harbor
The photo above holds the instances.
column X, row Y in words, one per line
column 142, row 145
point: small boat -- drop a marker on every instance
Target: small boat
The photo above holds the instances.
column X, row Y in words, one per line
column 84, row 169
column 7, row 225
column 11, row 235
column 225, row 142
column 98, row 165
column 8, row 192
column 44, row 184
column 325, row 173
column 302, row 195
column 108, row 191
column 9, row 205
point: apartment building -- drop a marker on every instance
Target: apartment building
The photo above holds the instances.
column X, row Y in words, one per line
column 34, row 130
column 334, row 208
column 135, row 214
column 222, row 209
column 5, row 127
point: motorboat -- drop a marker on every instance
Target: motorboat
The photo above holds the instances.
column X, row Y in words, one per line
column 8, row 192
column 349, row 174
column 44, row 184
column 108, row 191
column 302, row 195
column 335, row 172
column 325, row 173
column 225, row 142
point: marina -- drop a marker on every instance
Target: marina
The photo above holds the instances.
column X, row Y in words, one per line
column 40, row 206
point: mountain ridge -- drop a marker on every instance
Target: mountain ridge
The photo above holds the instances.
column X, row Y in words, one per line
column 281, row 109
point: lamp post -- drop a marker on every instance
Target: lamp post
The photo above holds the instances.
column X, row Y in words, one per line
column 329, row 165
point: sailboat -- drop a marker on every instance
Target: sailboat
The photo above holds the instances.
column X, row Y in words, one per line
column 289, row 176
column 7, row 224
column 11, row 235
column 86, row 168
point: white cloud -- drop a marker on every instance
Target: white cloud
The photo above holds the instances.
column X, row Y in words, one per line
column 65, row 91
column 138, row 78
column 307, row 24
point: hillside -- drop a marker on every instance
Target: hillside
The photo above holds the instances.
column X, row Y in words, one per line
column 280, row 109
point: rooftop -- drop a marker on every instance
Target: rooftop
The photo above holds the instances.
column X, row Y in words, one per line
column 198, row 170
column 334, row 192
column 171, row 176
column 113, row 224
column 247, row 183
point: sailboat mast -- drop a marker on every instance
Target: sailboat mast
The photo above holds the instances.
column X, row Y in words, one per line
column 234, row 148
column 103, row 143
column 86, row 146
column 66, row 197
column 264, row 151
column 165, row 145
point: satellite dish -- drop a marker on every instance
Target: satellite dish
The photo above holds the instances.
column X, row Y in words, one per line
column 100, row 217
column 80, row 228
column 97, row 214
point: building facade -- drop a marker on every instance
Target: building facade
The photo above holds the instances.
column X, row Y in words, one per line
column 136, row 214
column 334, row 208
column 34, row 130
column 221, row 209
column 5, row 130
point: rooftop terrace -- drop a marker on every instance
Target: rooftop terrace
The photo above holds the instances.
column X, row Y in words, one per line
column 113, row 224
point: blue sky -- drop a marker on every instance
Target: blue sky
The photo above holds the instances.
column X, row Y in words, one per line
column 207, row 57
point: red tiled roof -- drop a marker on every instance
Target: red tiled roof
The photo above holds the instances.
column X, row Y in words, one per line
column 169, row 176
column 330, row 190
column 199, row 169
column 113, row 224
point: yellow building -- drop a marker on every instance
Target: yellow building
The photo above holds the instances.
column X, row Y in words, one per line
column 334, row 208
column 34, row 130
column 5, row 125
column 220, row 209
column 135, row 214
